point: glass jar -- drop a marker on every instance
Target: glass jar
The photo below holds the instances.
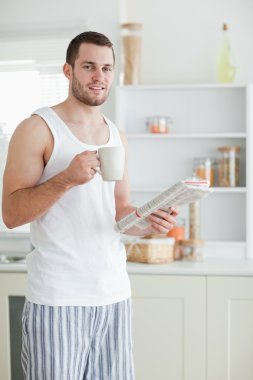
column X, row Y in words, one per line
column 228, row 170
column 131, row 53
column 203, row 168
column 192, row 250
column 158, row 124
column 178, row 231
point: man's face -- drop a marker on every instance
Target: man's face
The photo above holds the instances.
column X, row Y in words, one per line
column 92, row 74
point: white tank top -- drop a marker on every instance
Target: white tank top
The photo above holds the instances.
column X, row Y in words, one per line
column 79, row 259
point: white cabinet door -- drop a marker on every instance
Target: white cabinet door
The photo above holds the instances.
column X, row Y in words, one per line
column 11, row 285
column 230, row 328
column 169, row 327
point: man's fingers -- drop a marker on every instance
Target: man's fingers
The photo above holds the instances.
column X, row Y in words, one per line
column 162, row 221
column 173, row 211
column 164, row 215
column 90, row 157
column 87, row 152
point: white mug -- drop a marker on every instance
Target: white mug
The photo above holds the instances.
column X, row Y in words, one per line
column 112, row 162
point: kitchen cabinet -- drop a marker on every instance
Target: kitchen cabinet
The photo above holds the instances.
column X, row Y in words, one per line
column 193, row 327
column 205, row 117
column 169, row 327
column 12, row 290
column 230, row 328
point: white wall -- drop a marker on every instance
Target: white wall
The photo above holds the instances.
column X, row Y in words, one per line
column 181, row 38
column 96, row 15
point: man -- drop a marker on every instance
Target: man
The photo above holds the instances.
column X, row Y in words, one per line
column 77, row 314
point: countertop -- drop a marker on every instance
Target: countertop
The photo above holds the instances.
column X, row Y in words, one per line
column 207, row 267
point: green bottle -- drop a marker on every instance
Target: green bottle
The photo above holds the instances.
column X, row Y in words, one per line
column 225, row 68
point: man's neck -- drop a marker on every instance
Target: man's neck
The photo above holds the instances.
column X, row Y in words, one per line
column 75, row 112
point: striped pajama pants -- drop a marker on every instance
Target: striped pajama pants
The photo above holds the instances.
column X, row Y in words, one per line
column 77, row 342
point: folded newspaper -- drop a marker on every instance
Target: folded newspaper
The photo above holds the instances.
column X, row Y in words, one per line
column 183, row 192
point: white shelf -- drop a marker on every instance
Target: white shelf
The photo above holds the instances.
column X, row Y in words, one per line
column 140, row 189
column 229, row 189
column 206, row 116
column 184, row 86
column 186, row 136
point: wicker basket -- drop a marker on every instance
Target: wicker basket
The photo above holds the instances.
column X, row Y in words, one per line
column 152, row 250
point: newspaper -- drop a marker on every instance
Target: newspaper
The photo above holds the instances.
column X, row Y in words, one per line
column 183, row 192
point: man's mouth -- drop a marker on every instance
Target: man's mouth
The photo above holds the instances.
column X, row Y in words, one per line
column 96, row 87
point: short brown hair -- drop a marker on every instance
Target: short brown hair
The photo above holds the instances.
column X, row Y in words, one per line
column 89, row 38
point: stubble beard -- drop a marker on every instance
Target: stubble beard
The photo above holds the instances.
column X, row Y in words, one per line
column 80, row 94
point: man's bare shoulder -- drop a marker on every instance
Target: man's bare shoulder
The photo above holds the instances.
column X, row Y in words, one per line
column 26, row 154
column 33, row 124
column 34, row 130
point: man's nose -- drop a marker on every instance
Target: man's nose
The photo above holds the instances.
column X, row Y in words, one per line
column 98, row 74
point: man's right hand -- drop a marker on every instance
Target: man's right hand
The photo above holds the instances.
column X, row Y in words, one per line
column 82, row 168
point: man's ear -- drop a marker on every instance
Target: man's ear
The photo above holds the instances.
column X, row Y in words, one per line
column 67, row 71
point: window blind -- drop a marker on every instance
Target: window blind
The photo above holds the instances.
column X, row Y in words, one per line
column 30, row 77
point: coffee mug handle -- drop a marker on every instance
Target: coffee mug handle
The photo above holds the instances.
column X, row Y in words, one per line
column 98, row 170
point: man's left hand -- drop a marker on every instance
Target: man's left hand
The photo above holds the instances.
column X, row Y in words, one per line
column 163, row 221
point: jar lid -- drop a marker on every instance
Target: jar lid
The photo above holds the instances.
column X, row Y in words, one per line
column 229, row 148
column 208, row 160
column 159, row 117
column 131, row 25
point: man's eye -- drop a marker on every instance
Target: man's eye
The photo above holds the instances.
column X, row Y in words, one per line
column 87, row 67
column 107, row 68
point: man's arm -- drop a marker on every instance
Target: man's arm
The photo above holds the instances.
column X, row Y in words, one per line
column 23, row 199
column 161, row 221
